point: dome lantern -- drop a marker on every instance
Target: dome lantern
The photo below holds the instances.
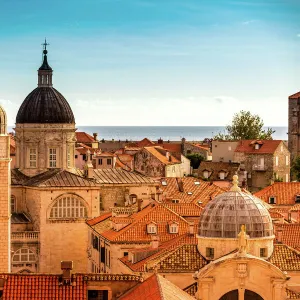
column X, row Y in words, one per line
column 45, row 71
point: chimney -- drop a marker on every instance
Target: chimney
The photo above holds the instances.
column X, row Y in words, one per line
column 95, row 136
column 66, row 267
column 89, row 173
column 191, row 229
column 160, row 141
column 168, row 156
column 279, row 236
column 154, row 241
column 180, row 185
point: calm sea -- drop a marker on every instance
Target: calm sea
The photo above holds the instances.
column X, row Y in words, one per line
column 172, row 133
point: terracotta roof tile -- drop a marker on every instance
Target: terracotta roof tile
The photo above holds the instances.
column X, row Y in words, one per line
column 136, row 232
column 185, row 209
column 144, row 143
column 285, row 258
column 188, row 190
column 295, row 96
column 83, row 137
column 156, row 288
column 160, row 154
column 290, row 234
column 38, row 287
column 267, row 146
column 99, row 219
column 285, row 192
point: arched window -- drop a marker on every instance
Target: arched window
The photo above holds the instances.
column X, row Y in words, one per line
column 24, row 255
column 13, row 204
column 68, row 207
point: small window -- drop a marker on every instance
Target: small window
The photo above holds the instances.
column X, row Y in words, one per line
column 52, row 157
column 175, row 201
column 263, row 252
column 210, row 253
column 97, row 295
column 23, row 255
column 173, row 228
column 76, row 156
column 222, row 175
column 32, row 157
column 164, row 182
column 125, row 253
column 109, row 161
column 197, row 183
column 13, row 204
column 151, row 228
column 297, row 200
column 257, row 146
column 100, row 161
column 69, row 158
column 272, row 200
column 205, row 174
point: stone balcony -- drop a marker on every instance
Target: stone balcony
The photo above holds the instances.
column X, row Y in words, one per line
column 25, row 236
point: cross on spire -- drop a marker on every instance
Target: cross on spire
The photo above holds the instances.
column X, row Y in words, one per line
column 45, row 44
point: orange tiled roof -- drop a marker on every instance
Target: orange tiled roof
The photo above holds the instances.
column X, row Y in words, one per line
column 38, row 287
column 136, row 232
column 145, row 143
column 156, row 288
column 290, row 234
column 295, row 96
column 171, row 147
column 267, row 146
column 160, row 154
column 83, row 137
column 101, row 218
column 185, row 209
column 194, row 190
column 285, row 258
column 285, row 192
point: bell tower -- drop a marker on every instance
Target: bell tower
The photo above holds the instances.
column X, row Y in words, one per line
column 294, row 125
column 4, row 194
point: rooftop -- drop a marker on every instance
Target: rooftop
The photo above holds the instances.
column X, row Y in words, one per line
column 266, row 146
column 161, row 154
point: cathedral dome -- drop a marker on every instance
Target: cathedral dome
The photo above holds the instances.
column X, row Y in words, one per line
column 45, row 105
column 225, row 214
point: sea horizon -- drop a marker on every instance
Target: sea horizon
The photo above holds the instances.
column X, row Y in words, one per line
column 167, row 133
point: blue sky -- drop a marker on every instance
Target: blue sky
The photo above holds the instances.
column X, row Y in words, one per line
column 155, row 62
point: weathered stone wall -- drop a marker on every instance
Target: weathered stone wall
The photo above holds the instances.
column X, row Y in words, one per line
column 43, row 137
column 145, row 163
column 294, row 127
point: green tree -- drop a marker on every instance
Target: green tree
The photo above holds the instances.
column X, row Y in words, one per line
column 295, row 170
column 195, row 159
column 245, row 126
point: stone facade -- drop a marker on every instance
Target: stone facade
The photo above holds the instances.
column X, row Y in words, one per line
column 294, row 125
column 4, row 203
column 265, row 168
column 35, row 141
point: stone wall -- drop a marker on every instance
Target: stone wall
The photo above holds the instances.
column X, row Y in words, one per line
column 294, row 127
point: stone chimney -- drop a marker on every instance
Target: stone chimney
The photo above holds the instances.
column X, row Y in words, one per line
column 155, row 241
column 279, row 235
column 95, row 136
column 66, row 278
column 88, row 168
column 180, row 185
column 191, row 228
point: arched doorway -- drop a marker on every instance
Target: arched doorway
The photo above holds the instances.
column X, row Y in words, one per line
column 234, row 295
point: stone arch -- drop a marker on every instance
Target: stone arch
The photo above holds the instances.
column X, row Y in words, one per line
column 68, row 206
column 248, row 295
column 232, row 295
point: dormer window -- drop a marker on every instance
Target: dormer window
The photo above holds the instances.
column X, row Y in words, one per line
column 164, row 182
column 173, row 227
column 256, row 146
column 222, row 175
column 152, row 228
column 297, row 200
column 205, row 174
column 175, row 201
column 272, row 200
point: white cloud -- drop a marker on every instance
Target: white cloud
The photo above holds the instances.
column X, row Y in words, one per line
column 298, row 35
column 248, row 22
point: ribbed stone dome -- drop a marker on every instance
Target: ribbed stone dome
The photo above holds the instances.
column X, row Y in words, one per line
column 45, row 105
column 224, row 215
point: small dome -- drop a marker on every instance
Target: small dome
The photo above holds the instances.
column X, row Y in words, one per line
column 45, row 105
column 224, row 215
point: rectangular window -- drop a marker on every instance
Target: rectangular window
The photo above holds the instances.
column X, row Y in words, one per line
column 32, row 157
column 272, row 200
column 263, row 252
column 297, row 200
column 100, row 161
column 52, row 157
column 109, row 161
column 210, row 253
